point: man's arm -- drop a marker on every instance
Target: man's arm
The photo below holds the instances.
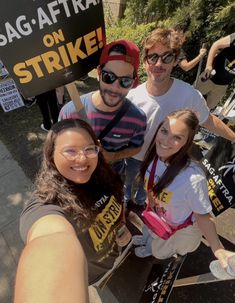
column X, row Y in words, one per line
column 215, row 125
column 221, row 43
column 188, row 65
column 122, row 154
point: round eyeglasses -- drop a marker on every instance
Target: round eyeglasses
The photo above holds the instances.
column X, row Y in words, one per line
column 72, row 154
column 166, row 58
column 110, row 78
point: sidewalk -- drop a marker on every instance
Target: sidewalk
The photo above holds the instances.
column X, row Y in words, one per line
column 14, row 190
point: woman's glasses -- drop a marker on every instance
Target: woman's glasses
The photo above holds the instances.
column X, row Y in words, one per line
column 72, row 154
column 110, row 78
column 166, row 58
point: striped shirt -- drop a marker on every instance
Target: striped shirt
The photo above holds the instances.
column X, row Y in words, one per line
column 128, row 132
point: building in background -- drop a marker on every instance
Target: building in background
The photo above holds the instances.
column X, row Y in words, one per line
column 115, row 8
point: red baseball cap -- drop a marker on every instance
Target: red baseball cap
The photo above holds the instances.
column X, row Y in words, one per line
column 132, row 55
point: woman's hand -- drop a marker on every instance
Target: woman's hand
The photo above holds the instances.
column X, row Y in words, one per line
column 202, row 52
column 123, row 236
column 222, row 255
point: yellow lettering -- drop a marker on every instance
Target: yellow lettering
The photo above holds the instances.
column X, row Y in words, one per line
column 52, row 61
column 75, row 52
column 100, row 229
column 48, row 40
column 55, row 60
column 58, row 37
column 165, row 196
column 90, row 42
column 64, row 56
column 20, row 71
column 35, row 64
column 216, row 202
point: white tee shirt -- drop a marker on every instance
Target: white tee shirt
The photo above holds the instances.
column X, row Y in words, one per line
column 181, row 95
column 186, row 194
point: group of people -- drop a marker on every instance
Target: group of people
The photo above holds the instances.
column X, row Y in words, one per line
column 74, row 224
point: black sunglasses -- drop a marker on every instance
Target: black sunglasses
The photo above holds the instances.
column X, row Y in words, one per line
column 166, row 58
column 109, row 78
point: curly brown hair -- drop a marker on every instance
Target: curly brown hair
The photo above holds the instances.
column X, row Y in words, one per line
column 77, row 200
column 167, row 37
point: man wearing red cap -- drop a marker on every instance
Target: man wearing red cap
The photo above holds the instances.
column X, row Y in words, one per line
column 117, row 73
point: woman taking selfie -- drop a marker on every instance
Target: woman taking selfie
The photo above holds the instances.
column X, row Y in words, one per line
column 77, row 202
column 177, row 193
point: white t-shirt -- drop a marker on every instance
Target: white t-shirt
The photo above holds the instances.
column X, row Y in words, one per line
column 181, row 95
column 186, row 194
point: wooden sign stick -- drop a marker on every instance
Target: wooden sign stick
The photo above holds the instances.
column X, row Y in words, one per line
column 75, row 97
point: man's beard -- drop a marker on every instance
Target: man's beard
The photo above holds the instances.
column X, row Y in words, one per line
column 110, row 104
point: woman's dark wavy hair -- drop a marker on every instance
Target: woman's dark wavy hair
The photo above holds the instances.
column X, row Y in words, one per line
column 77, row 200
column 178, row 161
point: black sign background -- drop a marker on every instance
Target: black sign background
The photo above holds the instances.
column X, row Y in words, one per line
column 160, row 281
column 16, row 16
column 219, row 166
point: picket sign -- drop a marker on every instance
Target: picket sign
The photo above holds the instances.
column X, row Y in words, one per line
column 160, row 281
column 68, row 38
column 10, row 97
column 219, row 166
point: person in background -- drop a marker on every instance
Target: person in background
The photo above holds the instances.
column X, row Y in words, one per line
column 219, row 71
column 186, row 65
column 48, row 106
column 79, row 198
column 177, row 192
column 160, row 95
column 60, row 94
column 118, row 69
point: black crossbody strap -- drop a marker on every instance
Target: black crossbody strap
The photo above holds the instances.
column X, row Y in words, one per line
column 116, row 118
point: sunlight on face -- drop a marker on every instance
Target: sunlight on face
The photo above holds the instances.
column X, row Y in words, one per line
column 159, row 72
column 80, row 169
column 171, row 137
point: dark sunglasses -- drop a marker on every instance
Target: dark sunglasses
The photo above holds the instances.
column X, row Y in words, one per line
column 166, row 58
column 110, row 78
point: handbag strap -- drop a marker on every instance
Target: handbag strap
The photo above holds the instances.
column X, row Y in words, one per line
column 116, row 119
column 188, row 221
column 152, row 173
column 151, row 179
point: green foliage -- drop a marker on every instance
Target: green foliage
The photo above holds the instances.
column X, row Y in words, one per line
column 136, row 34
column 222, row 22
column 210, row 20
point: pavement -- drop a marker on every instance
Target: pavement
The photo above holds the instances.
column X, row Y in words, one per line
column 14, row 191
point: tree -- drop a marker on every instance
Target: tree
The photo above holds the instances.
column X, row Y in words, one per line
column 210, row 20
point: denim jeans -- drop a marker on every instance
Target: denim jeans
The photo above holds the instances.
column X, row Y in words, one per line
column 119, row 167
column 145, row 244
column 132, row 170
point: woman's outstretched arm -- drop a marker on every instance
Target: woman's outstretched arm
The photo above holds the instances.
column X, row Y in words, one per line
column 52, row 269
